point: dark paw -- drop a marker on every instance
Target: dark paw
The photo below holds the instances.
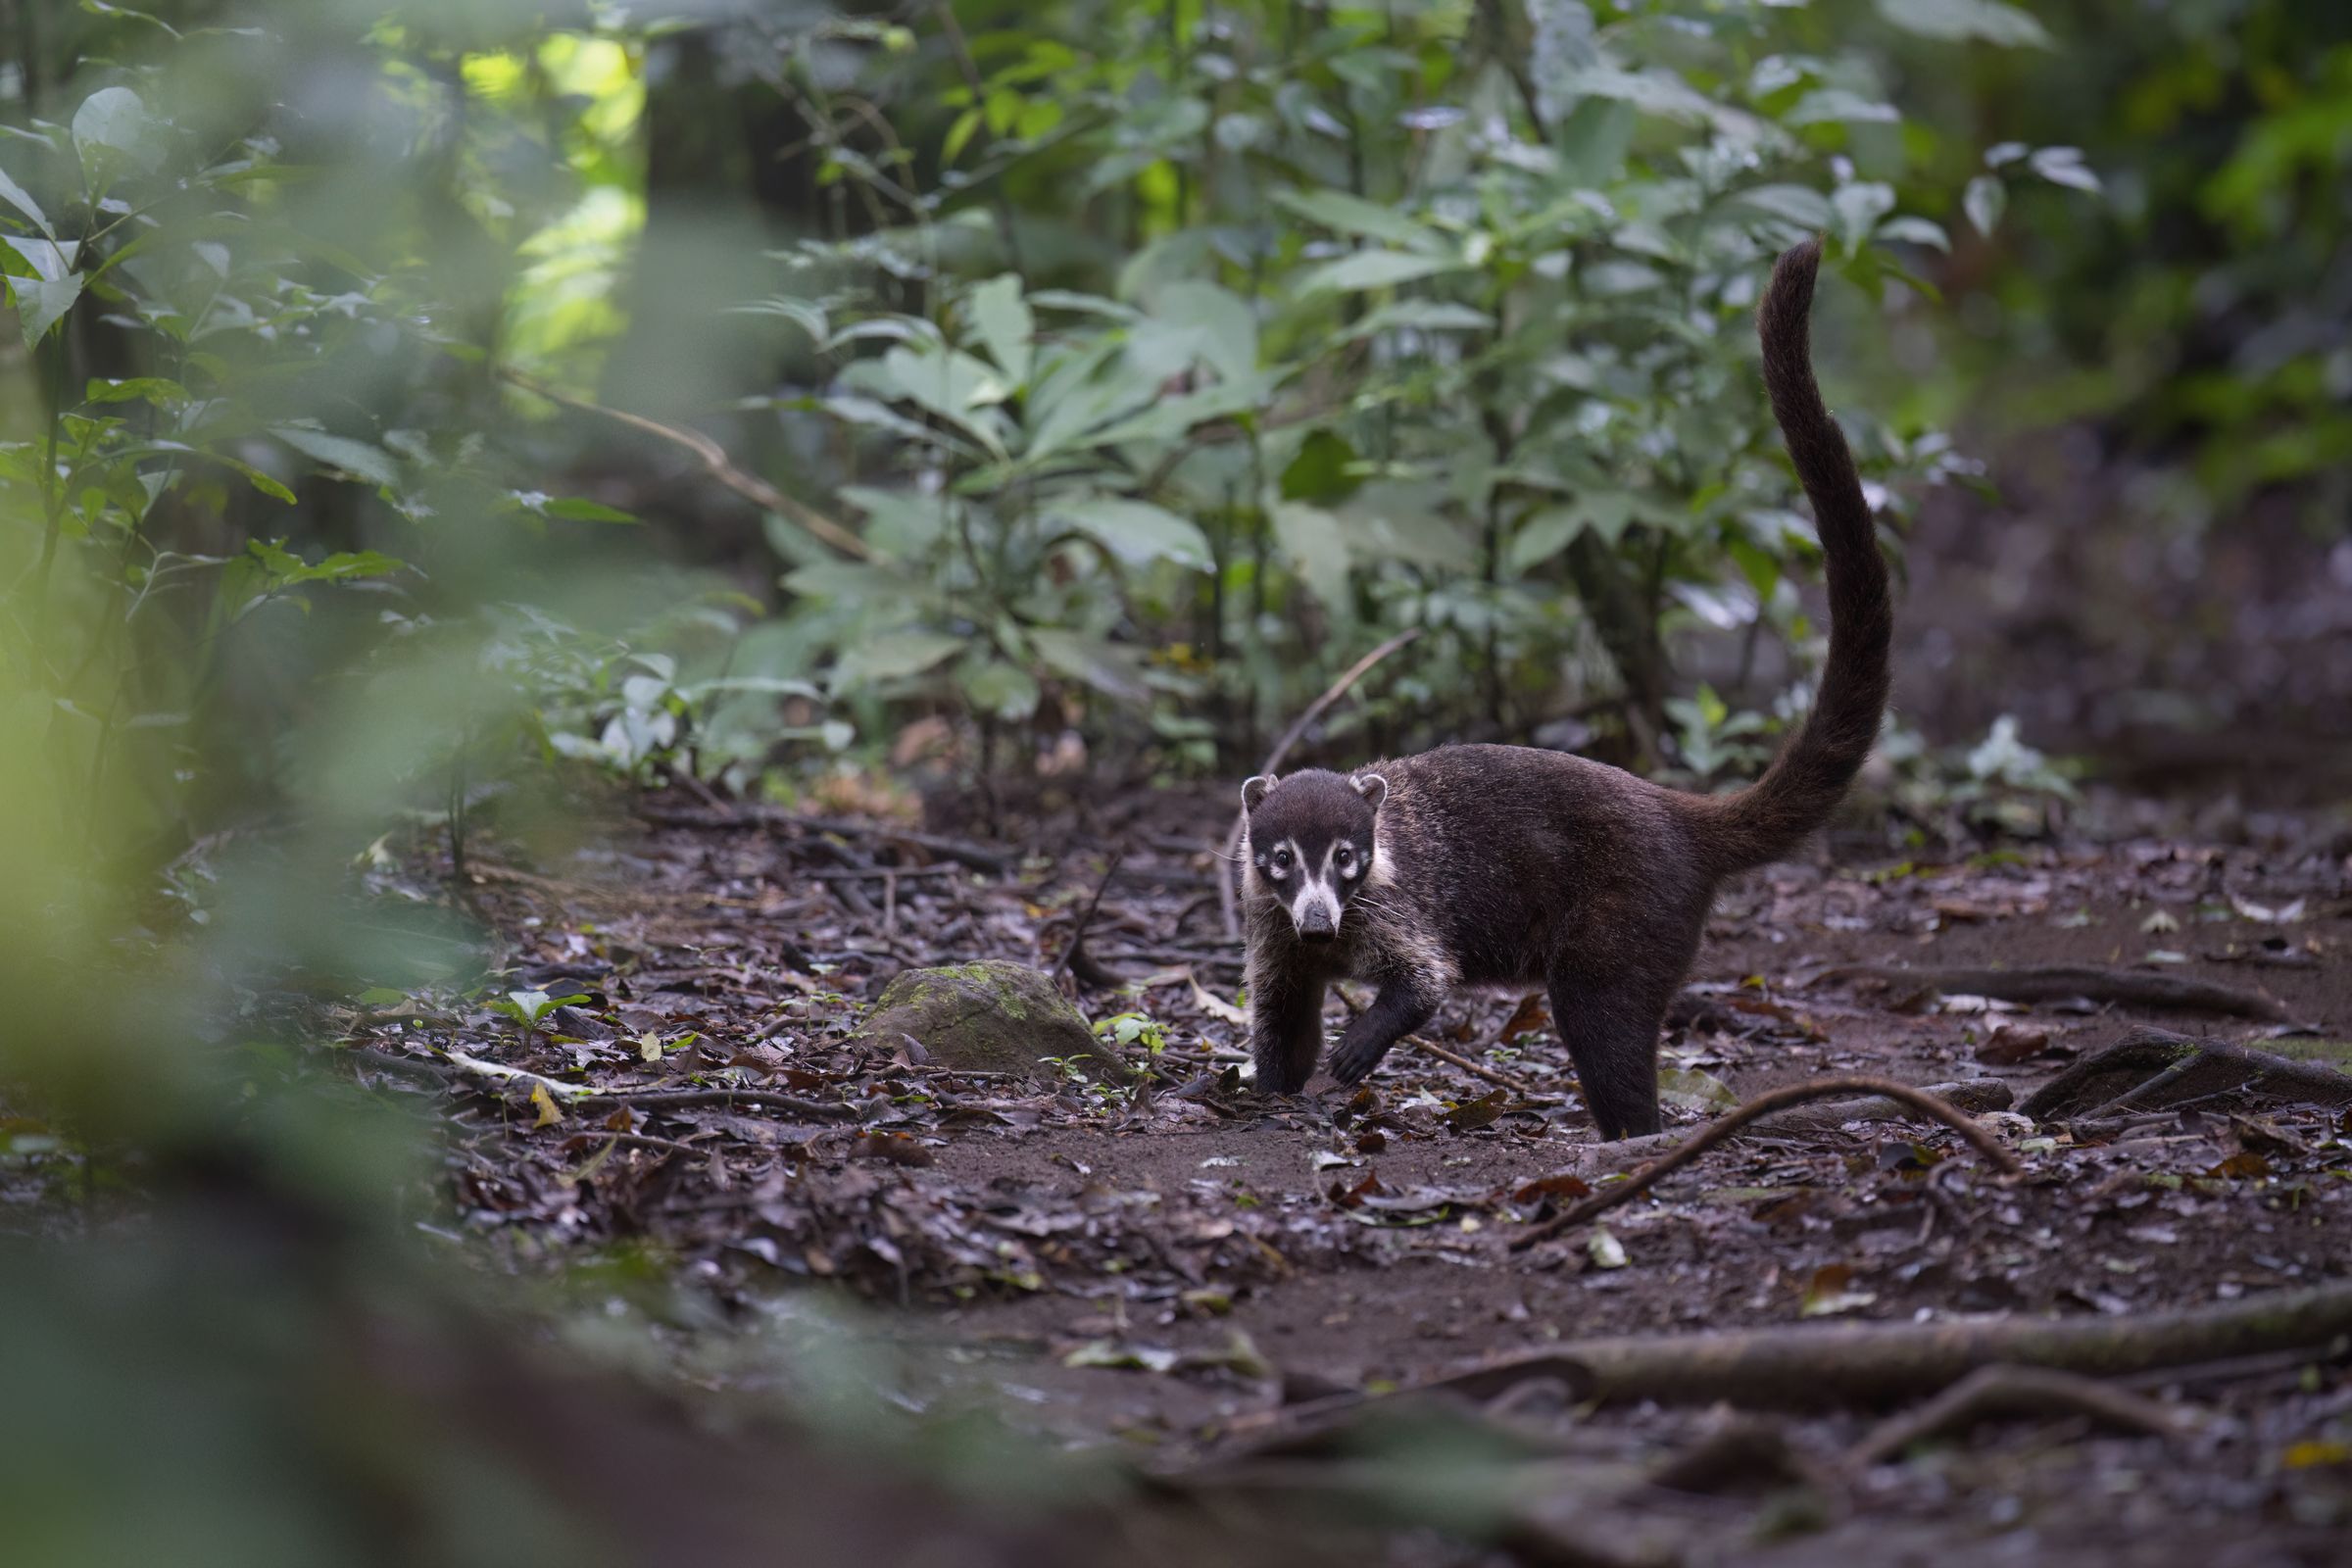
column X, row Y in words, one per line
column 1352, row 1063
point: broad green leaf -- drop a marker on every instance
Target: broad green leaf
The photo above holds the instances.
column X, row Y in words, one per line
column 1916, row 231
column 1986, row 199
column 1657, row 92
column 1837, row 104
column 1988, row 20
column 1859, row 206
column 43, row 304
column 16, row 196
column 1800, row 205
column 1377, row 270
column 1105, row 667
column 955, row 386
column 1193, row 320
column 1421, row 315
column 2063, row 166
column 900, row 523
column 1007, row 691
column 1352, row 214
column 1547, row 531
column 1005, row 324
column 1135, row 531
column 158, row 390
column 51, row 259
column 892, row 657
column 578, row 508
column 113, row 128
column 359, row 459
column 1316, row 546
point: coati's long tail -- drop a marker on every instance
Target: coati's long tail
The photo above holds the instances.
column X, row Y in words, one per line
column 1804, row 785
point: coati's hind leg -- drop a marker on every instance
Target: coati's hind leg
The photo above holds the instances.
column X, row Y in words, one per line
column 1610, row 1024
column 1286, row 1027
column 1406, row 1001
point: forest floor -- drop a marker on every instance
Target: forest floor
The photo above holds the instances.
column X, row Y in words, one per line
column 1177, row 1270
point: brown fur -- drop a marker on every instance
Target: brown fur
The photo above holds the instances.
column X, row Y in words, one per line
column 1510, row 865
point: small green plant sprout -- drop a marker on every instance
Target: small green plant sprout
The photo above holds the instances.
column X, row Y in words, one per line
column 1125, row 1029
column 530, row 1009
column 1070, row 1068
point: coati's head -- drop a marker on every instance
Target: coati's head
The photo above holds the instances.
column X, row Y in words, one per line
column 1310, row 843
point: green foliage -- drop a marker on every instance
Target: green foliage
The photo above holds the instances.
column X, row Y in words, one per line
column 1410, row 326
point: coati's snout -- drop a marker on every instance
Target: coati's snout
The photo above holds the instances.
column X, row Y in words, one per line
column 1311, row 844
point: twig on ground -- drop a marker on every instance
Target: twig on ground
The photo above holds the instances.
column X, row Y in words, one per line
column 683, row 1099
column 1772, row 1100
column 1078, row 932
column 2003, row 1389
column 1864, row 1363
column 2064, row 982
column 1492, row 1075
column 714, row 460
column 1282, row 749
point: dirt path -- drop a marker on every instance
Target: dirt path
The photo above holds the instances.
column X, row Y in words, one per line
column 1161, row 1270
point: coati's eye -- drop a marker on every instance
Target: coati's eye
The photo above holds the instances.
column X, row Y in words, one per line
column 1347, row 861
column 1282, row 861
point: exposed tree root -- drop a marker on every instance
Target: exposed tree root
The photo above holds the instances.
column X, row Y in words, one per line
column 1872, row 1363
column 2154, row 1069
column 2002, row 1390
column 1764, row 1105
column 2128, row 988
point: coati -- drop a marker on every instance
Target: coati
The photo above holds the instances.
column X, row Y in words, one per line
column 1512, row 865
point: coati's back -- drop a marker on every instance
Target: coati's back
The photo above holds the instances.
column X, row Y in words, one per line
column 1506, row 851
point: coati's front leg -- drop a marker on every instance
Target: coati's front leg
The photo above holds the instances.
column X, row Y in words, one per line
column 1408, row 999
column 1285, row 1025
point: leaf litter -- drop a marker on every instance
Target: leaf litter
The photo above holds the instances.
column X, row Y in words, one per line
column 1163, row 1256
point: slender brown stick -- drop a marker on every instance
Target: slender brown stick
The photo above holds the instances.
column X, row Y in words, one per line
column 758, row 491
column 1282, row 749
column 681, row 1099
column 1078, row 931
column 1764, row 1105
column 2004, row 1390
column 1476, row 1069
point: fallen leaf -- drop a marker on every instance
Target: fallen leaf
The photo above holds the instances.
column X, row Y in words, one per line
column 1605, row 1249
column 1531, row 1014
column 549, row 1115
column 1689, row 1088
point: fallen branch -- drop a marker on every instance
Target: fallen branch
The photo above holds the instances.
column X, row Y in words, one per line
column 1764, row 1105
column 716, row 462
column 1274, row 760
column 2003, row 1389
column 1864, row 1363
column 2034, row 983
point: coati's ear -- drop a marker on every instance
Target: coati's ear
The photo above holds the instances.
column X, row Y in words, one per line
column 1254, row 790
column 1372, row 787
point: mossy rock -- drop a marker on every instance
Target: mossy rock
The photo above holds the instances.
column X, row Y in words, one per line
column 989, row 1017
